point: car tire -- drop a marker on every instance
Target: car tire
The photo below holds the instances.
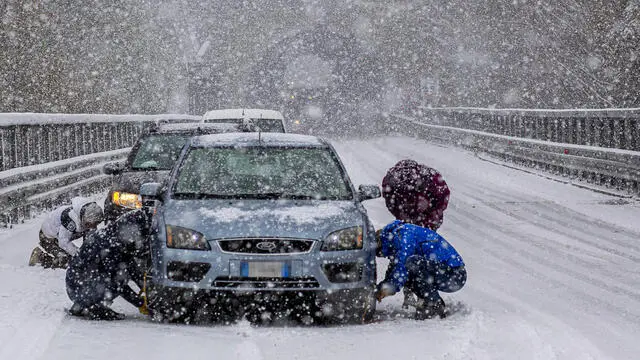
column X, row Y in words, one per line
column 353, row 306
column 169, row 305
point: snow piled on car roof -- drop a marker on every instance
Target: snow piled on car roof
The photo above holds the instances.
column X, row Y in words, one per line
column 301, row 214
column 242, row 113
column 194, row 126
column 255, row 138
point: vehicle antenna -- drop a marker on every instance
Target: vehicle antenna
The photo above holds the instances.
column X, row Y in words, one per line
column 259, row 135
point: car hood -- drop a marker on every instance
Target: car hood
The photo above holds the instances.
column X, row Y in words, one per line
column 309, row 219
column 130, row 181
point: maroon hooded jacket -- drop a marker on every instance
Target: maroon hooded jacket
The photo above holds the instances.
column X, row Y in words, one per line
column 416, row 194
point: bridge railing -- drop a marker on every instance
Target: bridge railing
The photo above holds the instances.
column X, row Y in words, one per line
column 600, row 147
column 45, row 159
column 610, row 128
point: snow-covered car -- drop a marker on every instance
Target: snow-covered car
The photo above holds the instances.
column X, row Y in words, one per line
column 150, row 159
column 261, row 224
column 266, row 120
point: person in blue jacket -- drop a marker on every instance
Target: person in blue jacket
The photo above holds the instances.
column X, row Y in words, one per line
column 421, row 260
column 105, row 264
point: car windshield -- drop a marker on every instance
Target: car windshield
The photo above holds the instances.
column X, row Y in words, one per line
column 158, row 152
column 259, row 173
column 265, row 125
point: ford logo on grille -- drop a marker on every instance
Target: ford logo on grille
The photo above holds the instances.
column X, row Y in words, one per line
column 266, row 246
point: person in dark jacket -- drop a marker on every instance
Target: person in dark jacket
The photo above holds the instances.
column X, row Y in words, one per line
column 105, row 264
column 421, row 260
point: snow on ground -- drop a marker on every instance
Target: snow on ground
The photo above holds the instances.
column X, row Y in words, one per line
column 553, row 274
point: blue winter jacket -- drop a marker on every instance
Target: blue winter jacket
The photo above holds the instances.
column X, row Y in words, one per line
column 401, row 240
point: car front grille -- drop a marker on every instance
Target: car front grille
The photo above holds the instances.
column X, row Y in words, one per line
column 266, row 246
column 259, row 283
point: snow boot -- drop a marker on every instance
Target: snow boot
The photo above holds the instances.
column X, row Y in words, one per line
column 410, row 299
column 36, row 256
column 430, row 308
column 77, row 310
column 101, row 312
column 95, row 312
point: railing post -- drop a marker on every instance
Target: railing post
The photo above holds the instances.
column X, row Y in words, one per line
column 3, row 156
column 69, row 144
column 538, row 127
column 628, row 134
column 30, row 137
column 77, row 139
column 597, row 132
column 114, row 137
column 521, row 126
column 579, row 131
column 608, row 130
column 83, row 138
column 549, row 129
column 618, row 134
column 633, row 131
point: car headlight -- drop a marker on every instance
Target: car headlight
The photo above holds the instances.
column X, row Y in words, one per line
column 183, row 238
column 345, row 239
column 126, row 200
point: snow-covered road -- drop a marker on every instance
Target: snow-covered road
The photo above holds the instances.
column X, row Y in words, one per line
column 554, row 273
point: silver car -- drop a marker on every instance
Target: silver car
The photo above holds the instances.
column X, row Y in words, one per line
column 261, row 224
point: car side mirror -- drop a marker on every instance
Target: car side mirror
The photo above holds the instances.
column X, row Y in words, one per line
column 150, row 193
column 368, row 192
column 113, row 168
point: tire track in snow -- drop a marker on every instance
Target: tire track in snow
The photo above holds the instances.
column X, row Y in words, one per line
column 550, row 244
column 534, row 264
column 583, row 227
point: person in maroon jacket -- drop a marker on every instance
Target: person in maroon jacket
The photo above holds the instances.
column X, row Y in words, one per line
column 415, row 194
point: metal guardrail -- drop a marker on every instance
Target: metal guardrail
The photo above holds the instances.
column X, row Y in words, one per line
column 608, row 128
column 603, row 166
column 45, row 159
column 29, row 139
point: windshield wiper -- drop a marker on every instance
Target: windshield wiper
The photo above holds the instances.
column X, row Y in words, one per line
column 269, row 195
column 193, row 195
column 302, row 197
column 190, row 195
column 148, row 168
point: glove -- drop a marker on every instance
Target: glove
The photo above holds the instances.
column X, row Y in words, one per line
column 384, row 290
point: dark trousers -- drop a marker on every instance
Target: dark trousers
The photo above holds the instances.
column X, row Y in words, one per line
column 426, row 277
column 54, row 256
column 89, row 289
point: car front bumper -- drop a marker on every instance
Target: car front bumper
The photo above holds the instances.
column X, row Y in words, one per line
column 218, row 271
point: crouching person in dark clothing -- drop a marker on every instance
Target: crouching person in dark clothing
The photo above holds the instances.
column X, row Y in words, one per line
column 105, row 264
column 422, row 261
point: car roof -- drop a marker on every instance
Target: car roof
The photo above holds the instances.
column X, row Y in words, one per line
column 257, row 139
column 190, row 128
column 242, row 113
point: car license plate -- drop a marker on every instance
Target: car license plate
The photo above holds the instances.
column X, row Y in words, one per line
column 264, row 269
